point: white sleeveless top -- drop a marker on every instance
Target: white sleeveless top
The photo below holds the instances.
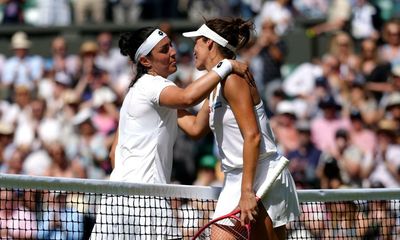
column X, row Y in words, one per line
column 228, row 136
column 147, row 133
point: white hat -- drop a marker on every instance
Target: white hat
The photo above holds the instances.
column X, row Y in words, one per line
column 49, row 130
column 82, row 116
column 63, row 78
column 208, row 33
column 285, row 107
column 24, row 135
column 20, row 41
column 393, row 100
column 36, row 163
column 103, row 95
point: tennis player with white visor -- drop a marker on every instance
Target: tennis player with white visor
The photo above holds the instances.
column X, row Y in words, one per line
column 235, row 113
column 146, row 134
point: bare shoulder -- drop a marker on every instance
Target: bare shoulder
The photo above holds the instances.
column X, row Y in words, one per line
column 235, row 81
column 234, row 86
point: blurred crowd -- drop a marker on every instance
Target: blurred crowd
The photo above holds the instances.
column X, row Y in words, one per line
column 336, row 117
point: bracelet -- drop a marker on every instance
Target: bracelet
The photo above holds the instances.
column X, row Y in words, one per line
column 223, row 68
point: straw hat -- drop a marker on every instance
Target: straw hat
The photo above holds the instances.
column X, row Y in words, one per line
column 6, row 128
column 20, row 41
column 89, row 47
column 387, row 125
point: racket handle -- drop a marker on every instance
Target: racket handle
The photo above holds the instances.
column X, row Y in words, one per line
column 276, row 171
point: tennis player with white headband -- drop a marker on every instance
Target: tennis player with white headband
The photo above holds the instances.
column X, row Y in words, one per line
column 147, row 132
column 234, row 112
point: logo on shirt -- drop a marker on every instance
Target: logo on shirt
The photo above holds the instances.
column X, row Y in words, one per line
column 217, row 105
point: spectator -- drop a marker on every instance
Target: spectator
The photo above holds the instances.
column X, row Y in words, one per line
column 283, row 125
column 305, row 159
column 375, row 71
column 272, row 50
column 393, row 108
column 61, row 166
column 278, row 13
column 329, row 173
column 339, row 14
column 6, row 141
column 360, row 135
column 12, row 11
column 330, row 121
column 61, row 60
column 342, row 47
column 109, row 58
column 386, row 156
column 124, row 11
column 389, row 51
column 311, row 9
column 20, row 106
column 95, row 8
column 392, row 86
column 53, row 13
column 14, row 164
column 89, row 145
column 54, row 92
column 106, row 114
column 301, row 82
column 206, row 173
column 364, row 21
column 91, row 76
column 22, row 68
column 60, row 221
column 18, row 221
column 360, row 100
column 197, row 10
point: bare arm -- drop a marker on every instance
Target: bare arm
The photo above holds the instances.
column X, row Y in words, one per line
column 196, row 126
column 111, row 155
column 239, row 96
column 194, row 93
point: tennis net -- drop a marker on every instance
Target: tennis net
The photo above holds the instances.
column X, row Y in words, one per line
column 60, row 208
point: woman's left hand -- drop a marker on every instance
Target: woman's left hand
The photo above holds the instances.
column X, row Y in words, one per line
column 248, row 207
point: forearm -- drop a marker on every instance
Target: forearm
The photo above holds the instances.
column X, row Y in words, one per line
column 250, row 160
column 196, row 126
column 201, row 88
column 113, row 147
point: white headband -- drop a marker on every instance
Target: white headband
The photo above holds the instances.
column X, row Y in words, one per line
column 208, row 33
column 155, row 37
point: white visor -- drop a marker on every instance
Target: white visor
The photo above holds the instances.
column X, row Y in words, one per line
column 208, row 33
column 155, row 37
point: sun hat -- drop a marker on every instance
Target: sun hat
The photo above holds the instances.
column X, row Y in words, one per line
column 20, row 41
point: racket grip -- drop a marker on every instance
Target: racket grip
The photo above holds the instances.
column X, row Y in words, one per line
column 276, row 171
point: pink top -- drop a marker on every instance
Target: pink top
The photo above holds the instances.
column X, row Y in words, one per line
column 323, row 132
column 365, row 140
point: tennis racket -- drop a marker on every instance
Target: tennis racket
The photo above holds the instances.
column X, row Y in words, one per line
column 229, row 226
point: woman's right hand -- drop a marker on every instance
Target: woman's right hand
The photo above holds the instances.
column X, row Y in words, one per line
column 243, row 70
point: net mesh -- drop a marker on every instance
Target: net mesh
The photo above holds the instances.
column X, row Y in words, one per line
column 50, row 208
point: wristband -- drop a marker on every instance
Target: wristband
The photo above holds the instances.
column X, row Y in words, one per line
column 223, row 68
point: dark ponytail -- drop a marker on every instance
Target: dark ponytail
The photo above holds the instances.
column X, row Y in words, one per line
column 235, row 30
column 128, row 44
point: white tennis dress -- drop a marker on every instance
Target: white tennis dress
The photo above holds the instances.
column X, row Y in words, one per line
column 281, row 201
column 147, row 132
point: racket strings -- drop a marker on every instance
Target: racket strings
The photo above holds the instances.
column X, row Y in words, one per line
column 229, row 228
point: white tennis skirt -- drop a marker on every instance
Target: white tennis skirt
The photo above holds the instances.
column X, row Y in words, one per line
column 281, row 201
column 135, row 218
